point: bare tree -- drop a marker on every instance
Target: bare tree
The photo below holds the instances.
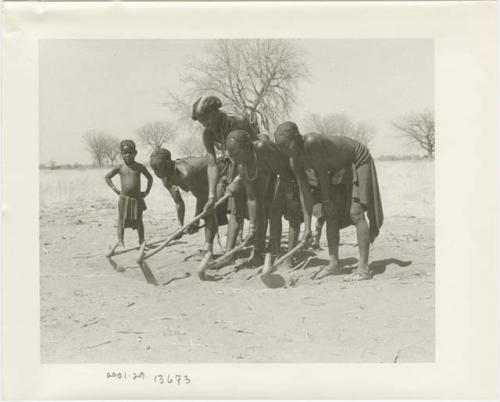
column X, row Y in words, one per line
column 418, row 128
column 340, row 124
column 111, row 148
column 364, row 133
column 156, row 134
column 96, row 144
column 257, row 78
column 191, row 145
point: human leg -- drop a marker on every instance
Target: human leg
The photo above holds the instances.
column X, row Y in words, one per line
column 293, row 233
column 120, row 230
column 357, row 214
column 233, row 228
column 332, row 234
column 275, row 230
column 320, row 222
column 119, row 225
column 140, row 230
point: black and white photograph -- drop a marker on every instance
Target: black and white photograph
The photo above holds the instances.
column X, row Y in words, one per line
column 249, row 200
column 237, row 200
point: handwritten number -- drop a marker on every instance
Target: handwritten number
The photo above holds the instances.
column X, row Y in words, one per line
column 159, row 378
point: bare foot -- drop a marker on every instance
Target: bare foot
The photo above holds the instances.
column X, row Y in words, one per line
column 229, row 260
column 196, row 256
column 117, row 267
column 112, row 250
column 204, row 266
column 255, row 260
column 357, row 276
column 332, row 269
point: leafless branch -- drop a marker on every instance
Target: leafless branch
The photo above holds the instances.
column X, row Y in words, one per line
column 340, row 124
column 156, row 134
column 257, row 78
column 419, row 129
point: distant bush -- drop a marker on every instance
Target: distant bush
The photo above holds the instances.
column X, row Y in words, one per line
column 401, row 158
column 68, row 166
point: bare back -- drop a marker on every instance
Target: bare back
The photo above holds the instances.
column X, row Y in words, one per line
column 330, row 152
column 271, row 159
column 230, row 123
column 191, row 175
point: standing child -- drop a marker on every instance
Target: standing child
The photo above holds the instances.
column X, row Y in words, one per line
column 131, row 202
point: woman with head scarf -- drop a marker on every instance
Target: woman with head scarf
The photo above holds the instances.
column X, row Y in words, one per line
column 218, row 124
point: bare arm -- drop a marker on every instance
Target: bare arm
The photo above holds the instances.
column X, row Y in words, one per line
column 255, row 200
column 317, row 148
column 179, row 202
column 112, row 173
column 149, row 178
column 252, row 201
column 277, row 162
column 212, row 171
column 235, row 186
column 305, row 196
column 286, row 177
column 324, row 182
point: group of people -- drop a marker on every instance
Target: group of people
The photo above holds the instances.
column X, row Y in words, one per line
column 292, row 177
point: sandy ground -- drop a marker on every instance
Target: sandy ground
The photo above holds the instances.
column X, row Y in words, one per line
column 93, row 314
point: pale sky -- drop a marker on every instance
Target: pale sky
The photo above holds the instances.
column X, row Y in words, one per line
column 119, row 85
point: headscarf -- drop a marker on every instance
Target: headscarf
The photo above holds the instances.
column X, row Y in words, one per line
column 204, row 105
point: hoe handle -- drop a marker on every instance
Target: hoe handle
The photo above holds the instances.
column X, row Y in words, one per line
column 269, row 267
column 143, row 256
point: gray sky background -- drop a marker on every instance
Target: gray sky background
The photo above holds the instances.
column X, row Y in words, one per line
column 119, row 85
